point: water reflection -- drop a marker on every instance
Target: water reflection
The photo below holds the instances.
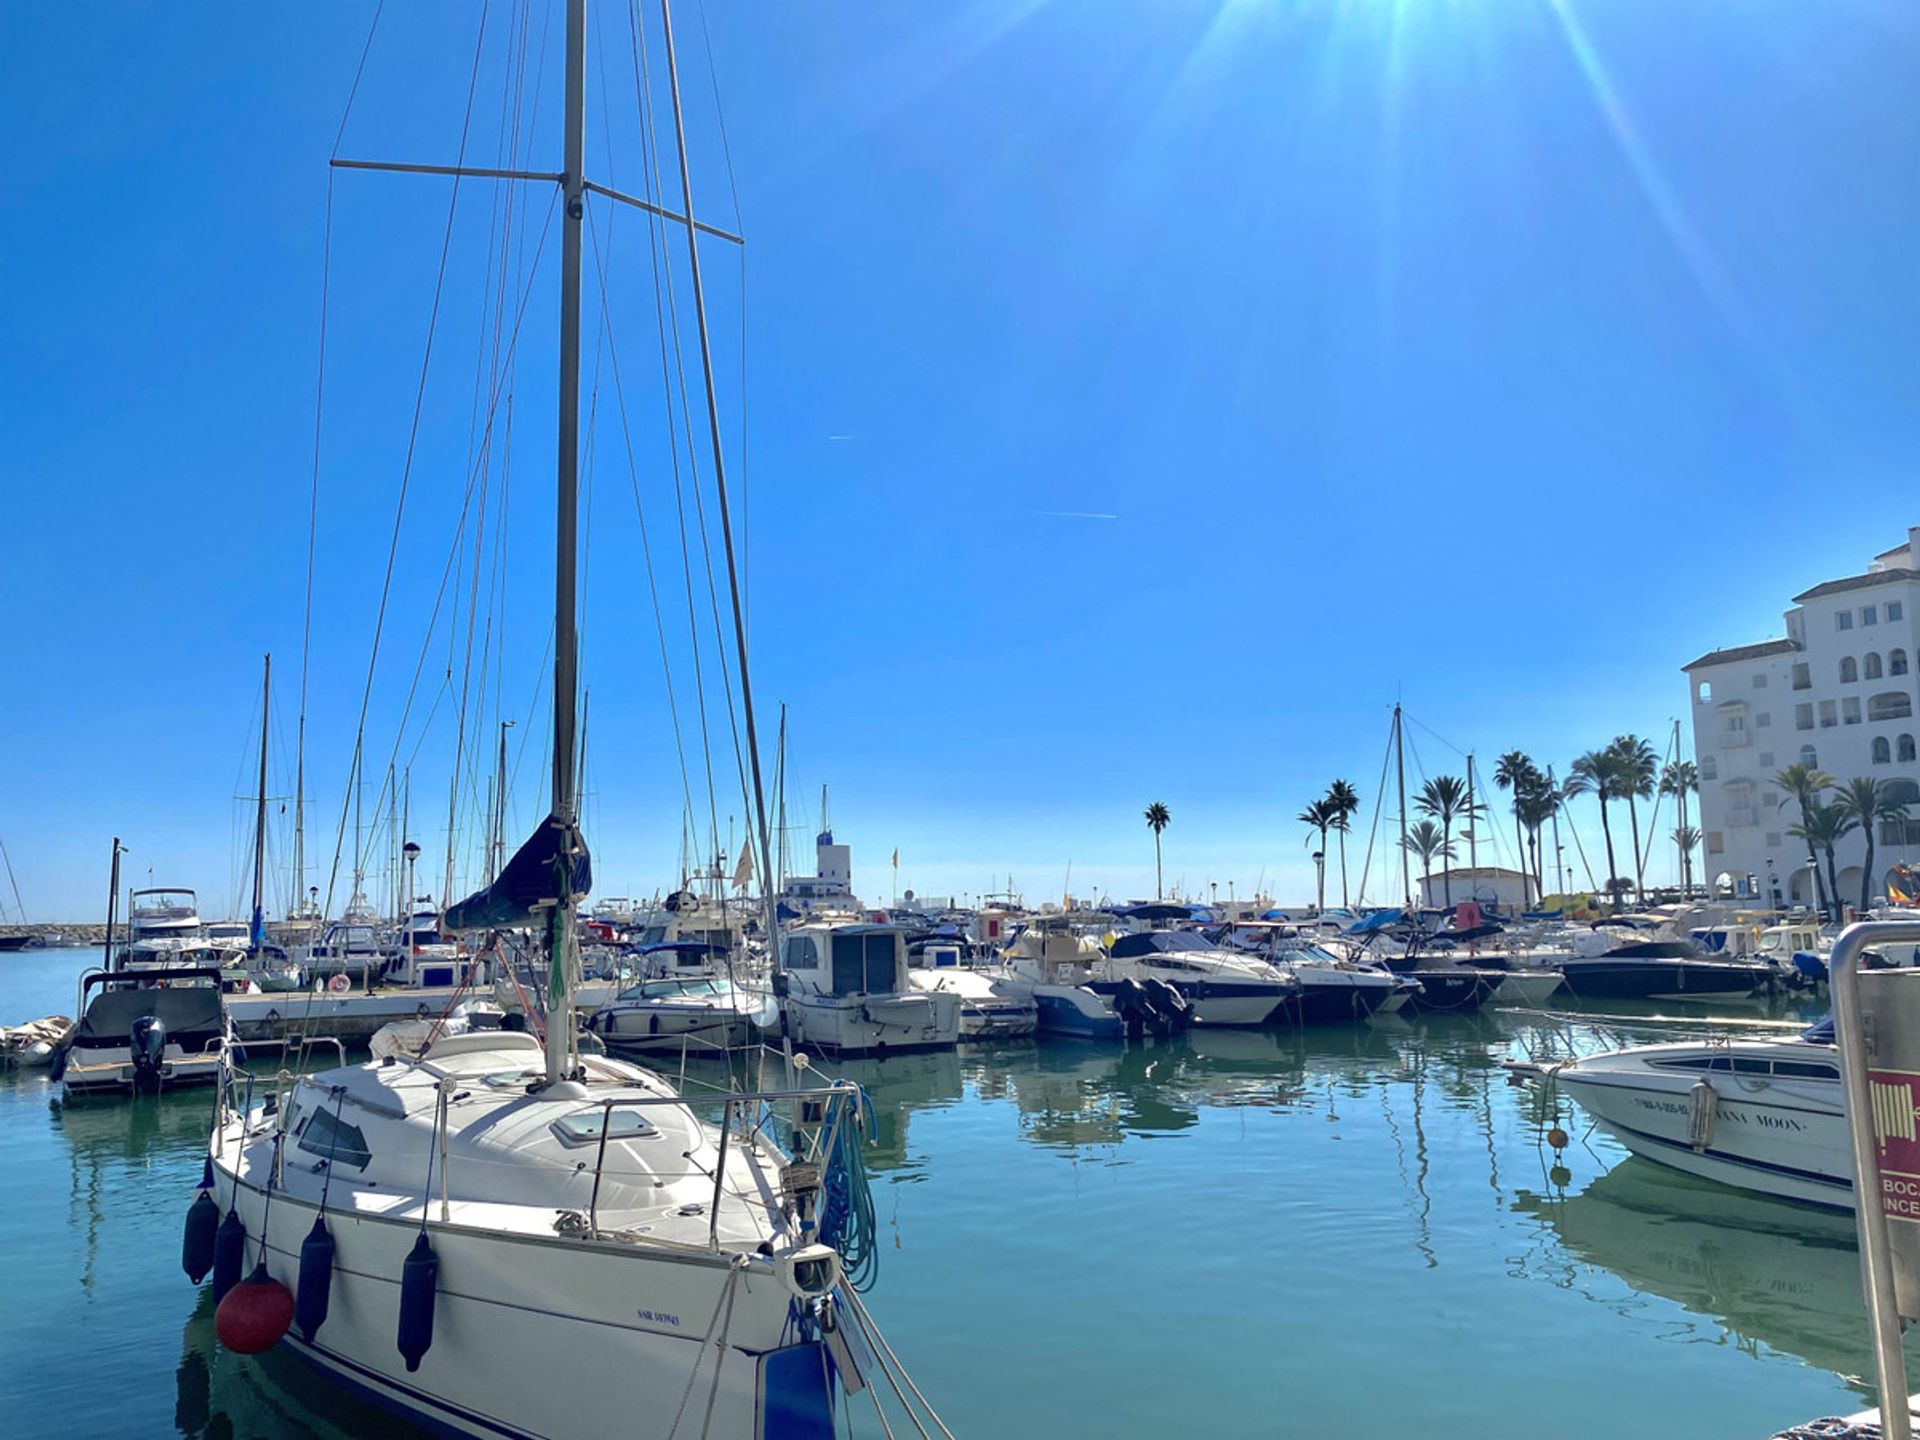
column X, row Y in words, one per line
column 1765, row 1272
column 223, row 1396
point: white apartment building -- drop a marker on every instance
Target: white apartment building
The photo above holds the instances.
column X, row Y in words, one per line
column 1838, row 692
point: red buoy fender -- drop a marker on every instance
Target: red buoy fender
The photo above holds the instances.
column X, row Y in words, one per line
column 254, row 1314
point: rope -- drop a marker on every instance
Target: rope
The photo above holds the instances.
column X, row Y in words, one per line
column 413, row 435
column 879, row 1341
column 734, row 1269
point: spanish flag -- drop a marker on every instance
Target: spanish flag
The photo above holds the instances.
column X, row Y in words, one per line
column 1897, row 891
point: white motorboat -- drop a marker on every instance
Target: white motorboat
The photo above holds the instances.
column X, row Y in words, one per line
column 1332, row 988
column 990, row 1008
column 707, row 1013
column 140, row 1034
column 1059, row 969
column 1222, row 986
column 1763, row 1115
column 845, row 988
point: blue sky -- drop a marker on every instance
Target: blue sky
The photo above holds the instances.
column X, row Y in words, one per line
column 1499, row 357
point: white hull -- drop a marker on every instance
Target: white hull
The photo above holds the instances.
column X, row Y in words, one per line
column 856, row 1024
column 633, row 1320
column 1782, row 1137
column 1528, row 988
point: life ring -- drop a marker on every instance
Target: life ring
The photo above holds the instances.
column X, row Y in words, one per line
column 339, row 984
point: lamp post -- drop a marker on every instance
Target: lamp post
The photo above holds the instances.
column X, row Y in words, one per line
column 1319, row 880
column 412, row 852
column 1813, row 880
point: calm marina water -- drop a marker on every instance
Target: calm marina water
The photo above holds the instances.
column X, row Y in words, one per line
column 1348, row 1231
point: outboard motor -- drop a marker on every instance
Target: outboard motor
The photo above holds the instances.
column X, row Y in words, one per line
column 1172, row 1009
column 1130, row 1003
column 147, row 1039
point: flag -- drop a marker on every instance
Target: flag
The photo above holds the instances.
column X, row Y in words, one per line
column 743, row 872
column 896, row 857
column 1896, row 891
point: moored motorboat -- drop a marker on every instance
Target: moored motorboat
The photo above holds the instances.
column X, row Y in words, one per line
column 1663, row 970
column 845, row 988
column 1764, row 1115
column 138, row 1034
column 1223, row 986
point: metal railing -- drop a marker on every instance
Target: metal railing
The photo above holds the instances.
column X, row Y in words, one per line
column 1876, row 1243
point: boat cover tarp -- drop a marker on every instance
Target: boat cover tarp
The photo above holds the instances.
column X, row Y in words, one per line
column 1155, row 910
column 184, row 1009
column 1376, row 922
column 553, row 859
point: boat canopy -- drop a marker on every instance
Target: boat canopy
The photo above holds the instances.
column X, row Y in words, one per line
column 1155, row 910
column 183, row 1009
column 554, row 857
column 1376, row 922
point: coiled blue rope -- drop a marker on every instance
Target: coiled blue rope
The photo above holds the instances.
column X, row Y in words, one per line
column 846, row 1213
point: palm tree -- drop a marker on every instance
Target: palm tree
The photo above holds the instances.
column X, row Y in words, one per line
column 1428, row 841
column 1680, row 779
column 1320, row 817
column 1346, row 802
column 1158, row 819
column 1517, row 772
column 1639, row 767
column 1868, row 801
column 1824, row 827
column 1444, row 798
column 1597, row 773
column 1536, row 806
column 1804, row 782
column 1688, row 840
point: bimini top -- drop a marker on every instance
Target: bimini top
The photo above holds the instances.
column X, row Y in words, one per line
column 1376, row 922
column 1155, row 910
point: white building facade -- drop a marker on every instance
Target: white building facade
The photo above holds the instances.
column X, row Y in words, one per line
column 1838, row 692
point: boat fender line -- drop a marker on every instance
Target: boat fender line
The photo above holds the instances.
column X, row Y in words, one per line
column 197, row 1243
column 419, row 1280
column 229, row 1253
column 1704, row 1105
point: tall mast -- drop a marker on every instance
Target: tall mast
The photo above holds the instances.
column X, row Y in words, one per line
column 257, row 931
column 300, row 818
column 566, row 641
column 1473, row 834
column 1400, row 777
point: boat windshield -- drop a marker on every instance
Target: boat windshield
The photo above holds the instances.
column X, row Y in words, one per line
column 1153, row 942
column 669, row 989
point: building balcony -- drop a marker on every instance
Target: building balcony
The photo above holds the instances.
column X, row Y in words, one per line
column 1741, row 817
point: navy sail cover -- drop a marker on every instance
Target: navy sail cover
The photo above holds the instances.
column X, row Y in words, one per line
column 554, row 858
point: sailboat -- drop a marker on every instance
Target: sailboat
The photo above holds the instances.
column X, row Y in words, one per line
column 452, row 1234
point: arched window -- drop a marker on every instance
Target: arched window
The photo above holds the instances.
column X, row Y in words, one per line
column 1849, row 671
column 1896, row 662
column 1870, row 667
column 1890, row 705
column 1904, row 748
column 1809, row 757
column 1882, row 751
